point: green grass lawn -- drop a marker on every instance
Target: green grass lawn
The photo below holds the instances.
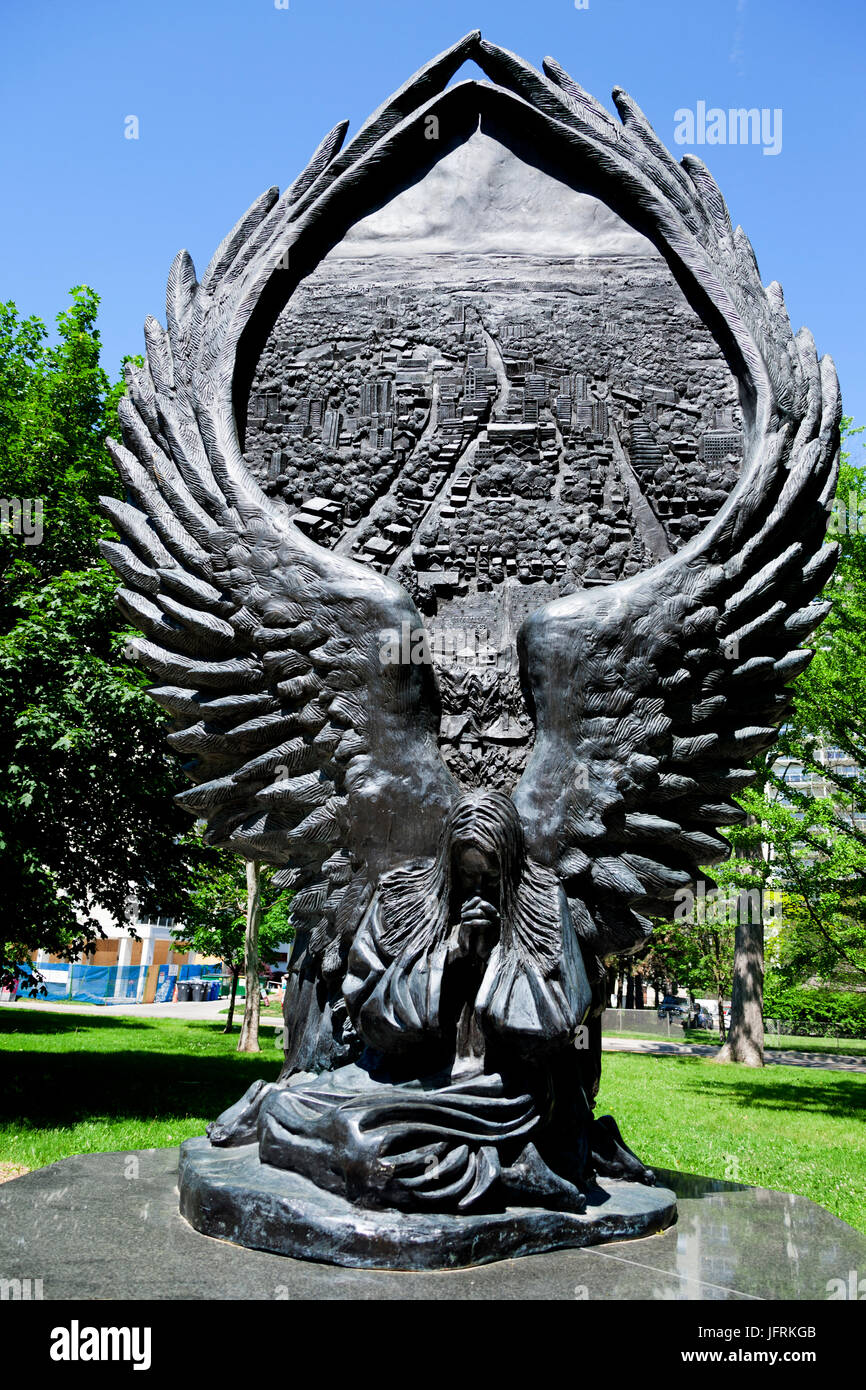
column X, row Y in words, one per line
column 89, row 1084
column 782, row 1127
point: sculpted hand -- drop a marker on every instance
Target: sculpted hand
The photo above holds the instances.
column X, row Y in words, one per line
column 478, row 923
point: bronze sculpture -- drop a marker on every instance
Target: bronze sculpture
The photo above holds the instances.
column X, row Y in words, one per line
column 447, row 979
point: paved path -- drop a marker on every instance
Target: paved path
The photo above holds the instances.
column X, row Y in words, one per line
column 823, row 1061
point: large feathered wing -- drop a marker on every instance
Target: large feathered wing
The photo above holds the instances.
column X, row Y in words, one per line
column 308, row 747
column 651, row 696
column 300, row 739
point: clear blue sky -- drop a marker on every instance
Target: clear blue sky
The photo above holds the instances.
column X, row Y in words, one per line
column 233, row 95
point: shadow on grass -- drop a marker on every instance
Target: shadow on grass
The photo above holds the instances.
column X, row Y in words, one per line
column 46, row 1089
column 30, row 1022
column 833, row 1093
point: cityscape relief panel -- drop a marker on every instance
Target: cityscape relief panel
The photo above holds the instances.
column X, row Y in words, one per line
column 496, row 428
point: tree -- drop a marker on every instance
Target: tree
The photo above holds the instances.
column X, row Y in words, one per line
column 56, row 407
column 86, row 809
column 249, row 1038
column 819, row 875
column 696, row 949
column 743, row 879
column 215, row 917
column 819, row 841
column 810, row 851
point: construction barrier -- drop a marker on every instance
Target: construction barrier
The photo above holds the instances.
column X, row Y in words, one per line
column 115, row 984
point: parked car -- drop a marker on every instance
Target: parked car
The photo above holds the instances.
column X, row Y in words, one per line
column 673, row 1007
column 701, row 1018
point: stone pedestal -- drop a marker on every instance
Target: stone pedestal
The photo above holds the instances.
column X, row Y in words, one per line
column 228, row 1193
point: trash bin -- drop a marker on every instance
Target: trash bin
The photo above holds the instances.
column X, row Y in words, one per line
column 183, row 991
column 198, row 991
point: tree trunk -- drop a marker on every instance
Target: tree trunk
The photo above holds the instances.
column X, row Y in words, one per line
column 745, row 1042
column 236, row 970
column 721, row 1006
column 629, row 990
column 638, row 991
column 249, row 1038
column 611, row 985
column 619, row 990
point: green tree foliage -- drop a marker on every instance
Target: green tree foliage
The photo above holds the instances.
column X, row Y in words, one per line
column 818, row 842
column 821, row 875
column 695, row 951
column 834, row 1013
column 86, row 809
column 56, row 407
column 801, row 858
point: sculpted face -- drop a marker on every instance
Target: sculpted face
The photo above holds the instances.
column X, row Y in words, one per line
column 478, row 872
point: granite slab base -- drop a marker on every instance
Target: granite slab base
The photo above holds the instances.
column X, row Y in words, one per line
column 230, row 1194
column 106, row 1226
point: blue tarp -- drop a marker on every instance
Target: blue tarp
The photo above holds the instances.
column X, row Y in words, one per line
column 92, row 984
column 101, row 984
column 165, row 984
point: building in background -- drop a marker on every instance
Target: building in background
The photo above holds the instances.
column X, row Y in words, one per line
column 836, row 760
column 122, row 969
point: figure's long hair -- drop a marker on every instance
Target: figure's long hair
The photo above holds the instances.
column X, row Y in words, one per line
column 416, row 900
